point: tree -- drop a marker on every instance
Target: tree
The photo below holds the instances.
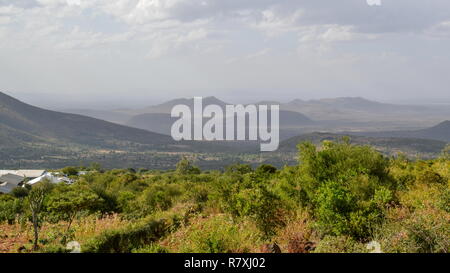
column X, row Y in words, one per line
column 68, row 201
column 20, row 192
column 343, row 185
column 239, row 169
column 245, row 196
column 446, row 152
column 184, row 166
column 10, row 208
column 36, row 199
column 266, row 169
column 96, row 167
column 70, row 171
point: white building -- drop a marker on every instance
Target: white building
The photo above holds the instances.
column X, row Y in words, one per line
column 54, row 178
column 24, row 173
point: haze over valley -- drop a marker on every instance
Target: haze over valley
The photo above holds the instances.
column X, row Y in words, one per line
column 140, row 138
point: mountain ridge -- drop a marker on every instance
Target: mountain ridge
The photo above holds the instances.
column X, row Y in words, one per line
column 440, row 132
column 63, row 127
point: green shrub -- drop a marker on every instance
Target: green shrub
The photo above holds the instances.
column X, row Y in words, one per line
column 244, row 196
column 70, row 171
column 10, row 209
column 423, row 231
column 158, row 197
column 152, row 248
column 134, row 237
column 219, row 234
column 185, row 167
column 345, row 186
column 339, row 244
column 333, row 208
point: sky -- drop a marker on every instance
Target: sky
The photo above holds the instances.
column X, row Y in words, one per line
column 122, row 53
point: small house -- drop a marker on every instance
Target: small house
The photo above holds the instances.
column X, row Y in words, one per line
column 8, row 182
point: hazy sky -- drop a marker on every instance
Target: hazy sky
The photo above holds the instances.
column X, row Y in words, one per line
column 87, row 52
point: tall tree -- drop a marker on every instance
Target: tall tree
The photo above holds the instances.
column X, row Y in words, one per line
column 36, row 200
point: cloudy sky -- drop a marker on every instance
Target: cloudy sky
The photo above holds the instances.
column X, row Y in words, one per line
column 120, row 52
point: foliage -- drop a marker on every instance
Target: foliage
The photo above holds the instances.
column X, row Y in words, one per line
column 345, row 186
column 217, row 234
column 337, row 198
column 184, row 167
column 10, row 209
column 36, row 201
column 70, row 171
column 68, row 201
column 339, row 244
column 132, row 237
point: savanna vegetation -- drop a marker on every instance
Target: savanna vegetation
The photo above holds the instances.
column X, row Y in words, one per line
column 338, row 198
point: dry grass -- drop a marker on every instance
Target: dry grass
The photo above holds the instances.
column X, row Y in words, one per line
column 17, row 238
column 297, row 226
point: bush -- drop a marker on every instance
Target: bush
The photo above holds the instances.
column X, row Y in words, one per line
column 185, row 167
column 345, row 186
column 158, row 197
column 10, row 209
column 238, row 169
column 217, row 234
column 152, row 248
column 333, row 208
column 66, row 202
column 243, row 196
column 20, row 192
column 70, row 171
column 423, row 231
column 133, row 237
column 339, row 244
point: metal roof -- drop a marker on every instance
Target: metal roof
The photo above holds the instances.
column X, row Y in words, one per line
column 6, row 187
column 51, row 177
column 24, row 173
column 11, row 179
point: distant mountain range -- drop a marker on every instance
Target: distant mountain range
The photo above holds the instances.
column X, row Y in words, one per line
column 388, row 145
column 36, row 137
column 162, row 122
column 438, row 132
column 29, row 130
column 20, row 122
column 359, row 109
column 336, row 114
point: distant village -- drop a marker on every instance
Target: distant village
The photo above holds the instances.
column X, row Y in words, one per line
column 11, row 179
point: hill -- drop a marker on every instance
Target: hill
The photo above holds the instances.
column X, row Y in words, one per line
column 166, row 107
column 290, row 122
column 440, row 132
column 358, row 109
column 21, row 122
column 331, row 114
column 114, row 116
column 32, row 137
column 387, row 145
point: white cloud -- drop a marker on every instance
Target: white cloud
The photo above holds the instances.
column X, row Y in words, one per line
column 440, row 30
column 195, row 38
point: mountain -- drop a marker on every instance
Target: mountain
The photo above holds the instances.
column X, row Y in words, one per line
column 20, row 122
column 158, row 122
column 440, row 132
column 291, row 123
column 356, row 109
column 387, row 145
column 331, row 114
column 114, row 116
column 32, row 137
column 167, row 106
